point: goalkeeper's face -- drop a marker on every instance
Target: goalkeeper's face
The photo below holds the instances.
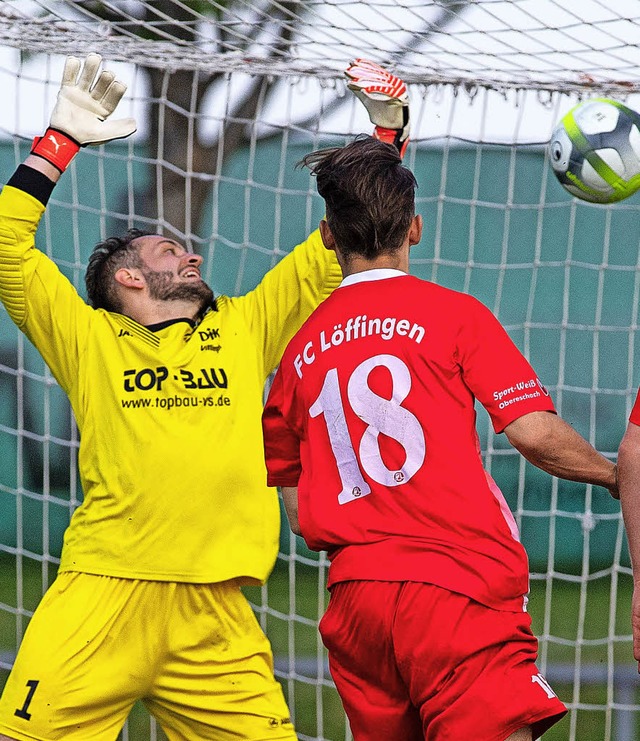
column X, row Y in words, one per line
column 171, row 272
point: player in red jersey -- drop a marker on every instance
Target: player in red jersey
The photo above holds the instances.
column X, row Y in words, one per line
column 629, row 477
column 370, row 430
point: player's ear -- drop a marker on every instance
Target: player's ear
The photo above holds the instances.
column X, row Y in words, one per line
column 327, row 236
column 415, row 230
column 129, row 278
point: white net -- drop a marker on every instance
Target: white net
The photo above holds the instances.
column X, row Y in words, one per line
column 546, row 44
column 228, row 97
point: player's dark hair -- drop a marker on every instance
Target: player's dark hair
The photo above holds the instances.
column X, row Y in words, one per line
column 105, row 261
column 369, row 195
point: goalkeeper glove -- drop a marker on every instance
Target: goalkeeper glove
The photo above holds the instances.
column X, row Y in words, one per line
column 79, row 117
column 385, row 97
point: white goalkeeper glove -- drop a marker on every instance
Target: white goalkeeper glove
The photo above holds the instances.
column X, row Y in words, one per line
column 385, row 97
column 85, row 102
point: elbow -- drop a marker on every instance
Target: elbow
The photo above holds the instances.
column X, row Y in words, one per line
column 294, row 523
column 290, row 499
column 295, row 528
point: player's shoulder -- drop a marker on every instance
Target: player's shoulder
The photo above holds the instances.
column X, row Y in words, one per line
column 448, row 308
column 403, row 291
column 441, row 295
column 235, row 313
column 223, row 303
column 228, row 308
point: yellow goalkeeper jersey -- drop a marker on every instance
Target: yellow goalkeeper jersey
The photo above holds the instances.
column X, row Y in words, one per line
column 171, row 453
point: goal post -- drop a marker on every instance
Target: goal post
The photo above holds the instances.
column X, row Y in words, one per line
column 228, row 97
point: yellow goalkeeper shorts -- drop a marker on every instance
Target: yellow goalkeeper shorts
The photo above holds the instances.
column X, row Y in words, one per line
column 193, row 653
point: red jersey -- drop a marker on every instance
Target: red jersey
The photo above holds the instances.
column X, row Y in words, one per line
column 371, row 414
column 635, row 412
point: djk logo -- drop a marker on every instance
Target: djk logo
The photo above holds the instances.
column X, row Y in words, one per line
column 209, row 334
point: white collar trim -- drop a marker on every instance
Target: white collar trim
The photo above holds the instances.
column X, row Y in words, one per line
column 369, row 275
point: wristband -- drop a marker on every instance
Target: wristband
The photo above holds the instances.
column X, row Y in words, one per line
column 391, row 136
column 55, row 147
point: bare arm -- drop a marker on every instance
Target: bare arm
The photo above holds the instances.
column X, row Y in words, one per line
column 290, row 498
column 549, row 443
column 629, row 483
column 41, row 165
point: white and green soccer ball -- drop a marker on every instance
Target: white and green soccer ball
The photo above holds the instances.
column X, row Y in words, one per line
column 595, row 151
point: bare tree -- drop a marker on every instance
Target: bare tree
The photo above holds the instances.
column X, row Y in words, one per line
column 177, row 184
column 175, row 192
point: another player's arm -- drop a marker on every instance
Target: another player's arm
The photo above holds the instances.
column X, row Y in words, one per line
column 491, row 366
column 629, row 486
column 290, row 499
column 287, row 295
column 304, row 278
column 282, row 448
column 551, row 444
column 386, row 99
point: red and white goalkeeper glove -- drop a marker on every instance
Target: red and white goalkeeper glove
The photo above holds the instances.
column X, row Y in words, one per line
column 86, row 99
column 385, row 97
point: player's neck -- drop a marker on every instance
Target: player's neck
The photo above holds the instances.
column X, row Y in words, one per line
column 394, row 261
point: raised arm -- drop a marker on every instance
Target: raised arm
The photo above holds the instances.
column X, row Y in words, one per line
column 305, row 277
column 86, row 99
column 38, row 298
column 386, row 99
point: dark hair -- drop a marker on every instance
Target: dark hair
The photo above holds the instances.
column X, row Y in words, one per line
column 369, row 195
column 106, row 259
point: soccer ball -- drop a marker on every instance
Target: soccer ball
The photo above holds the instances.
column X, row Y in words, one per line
column 595, row 151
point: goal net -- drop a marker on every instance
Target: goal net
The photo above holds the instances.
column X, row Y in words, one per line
column 229, row 96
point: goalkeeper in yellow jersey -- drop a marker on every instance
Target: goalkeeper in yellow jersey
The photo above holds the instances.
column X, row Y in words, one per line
column 166, row 383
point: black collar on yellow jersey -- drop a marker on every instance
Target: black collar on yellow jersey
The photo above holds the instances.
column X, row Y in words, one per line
column 193, row 323
column 161, row 325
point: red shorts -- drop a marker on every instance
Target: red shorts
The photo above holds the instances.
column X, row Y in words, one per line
column 416, row 662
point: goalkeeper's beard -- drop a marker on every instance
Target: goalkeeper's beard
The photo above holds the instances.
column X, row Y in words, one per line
column 163, row 287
